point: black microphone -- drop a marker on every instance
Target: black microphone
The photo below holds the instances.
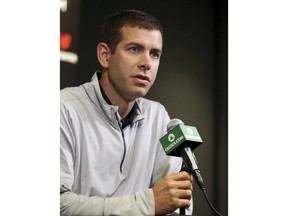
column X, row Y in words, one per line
column 180, row 141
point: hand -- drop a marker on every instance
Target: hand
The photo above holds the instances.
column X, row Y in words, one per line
column 172, row 192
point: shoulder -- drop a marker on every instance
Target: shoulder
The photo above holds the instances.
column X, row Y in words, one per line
column 70, row 93
column 147, row 105
column 154, row 112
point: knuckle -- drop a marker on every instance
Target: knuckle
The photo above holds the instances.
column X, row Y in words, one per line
column 170, row 185
column 189, row 194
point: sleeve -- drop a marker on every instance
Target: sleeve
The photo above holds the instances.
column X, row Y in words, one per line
column 165, row 165
column 141, row 203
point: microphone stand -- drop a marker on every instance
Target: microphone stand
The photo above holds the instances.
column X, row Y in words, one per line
column 183, row 209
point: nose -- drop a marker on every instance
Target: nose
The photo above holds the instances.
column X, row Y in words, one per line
column 144, row 62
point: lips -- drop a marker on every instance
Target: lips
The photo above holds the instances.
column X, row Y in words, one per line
column 142, row 77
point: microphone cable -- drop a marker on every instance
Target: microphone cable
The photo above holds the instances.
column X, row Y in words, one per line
column 209, row 203
column 200, row 183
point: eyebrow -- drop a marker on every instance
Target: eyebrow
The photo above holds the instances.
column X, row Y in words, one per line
column 141, row 46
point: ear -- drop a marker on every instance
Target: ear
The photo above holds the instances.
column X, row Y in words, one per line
column 103, row 53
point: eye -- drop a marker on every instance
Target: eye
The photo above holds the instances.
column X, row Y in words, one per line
column 155, row 55
column 134, row 49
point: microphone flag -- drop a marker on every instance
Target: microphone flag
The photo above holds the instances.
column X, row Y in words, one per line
column 180, row 135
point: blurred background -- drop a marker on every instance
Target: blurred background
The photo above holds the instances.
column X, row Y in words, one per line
column 192, row 81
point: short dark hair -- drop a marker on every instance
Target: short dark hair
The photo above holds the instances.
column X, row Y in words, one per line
column 111, row 30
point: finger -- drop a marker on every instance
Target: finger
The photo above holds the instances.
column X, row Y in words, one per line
column 181, row 176
column 184, row 203
column 186, row 184
column 184, row 194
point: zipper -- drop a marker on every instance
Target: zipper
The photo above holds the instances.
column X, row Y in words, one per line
column 124, row 143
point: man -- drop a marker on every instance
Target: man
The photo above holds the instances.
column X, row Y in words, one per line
column 111, row 160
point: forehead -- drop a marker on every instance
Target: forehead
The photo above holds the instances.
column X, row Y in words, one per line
column 142, row 36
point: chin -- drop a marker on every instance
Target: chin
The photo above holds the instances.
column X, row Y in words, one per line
column 140, row 94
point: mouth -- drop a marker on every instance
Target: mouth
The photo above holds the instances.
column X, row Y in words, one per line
column 142, row 77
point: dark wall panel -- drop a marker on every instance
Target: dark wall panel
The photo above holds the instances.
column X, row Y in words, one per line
column 192, row 80
column 69, row 42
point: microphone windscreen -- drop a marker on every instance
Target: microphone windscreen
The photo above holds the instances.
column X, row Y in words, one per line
column 173, row 123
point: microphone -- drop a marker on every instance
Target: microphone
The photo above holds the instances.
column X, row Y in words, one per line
column 180, row 141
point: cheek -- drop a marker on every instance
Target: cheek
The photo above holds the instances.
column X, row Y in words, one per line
column 124, row 63
column 115, row 66
column 153, row 77
column 155, row 71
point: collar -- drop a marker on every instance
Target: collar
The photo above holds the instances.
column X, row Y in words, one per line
column 100, row 99
column 131, row 115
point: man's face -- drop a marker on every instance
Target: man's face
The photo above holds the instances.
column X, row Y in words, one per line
column 133, row 67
